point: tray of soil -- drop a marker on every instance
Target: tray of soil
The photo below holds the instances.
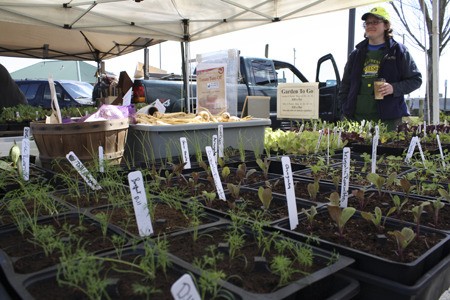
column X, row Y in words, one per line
column 247, row 204
column 141, row 272
column 376, row 249
column 40, row 245
column 167, row 217
column 255, row 263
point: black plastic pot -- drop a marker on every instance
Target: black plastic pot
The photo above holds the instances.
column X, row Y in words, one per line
column 317, row 284
column 430, row 285
column 404, row 273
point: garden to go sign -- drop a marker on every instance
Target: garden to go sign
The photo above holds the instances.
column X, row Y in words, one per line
column 298, row 100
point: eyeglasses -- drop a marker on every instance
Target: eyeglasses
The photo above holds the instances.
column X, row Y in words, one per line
column 375, row 22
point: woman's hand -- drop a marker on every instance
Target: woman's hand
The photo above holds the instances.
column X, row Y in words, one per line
column 386, row 89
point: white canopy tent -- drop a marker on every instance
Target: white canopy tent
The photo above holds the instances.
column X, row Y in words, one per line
column 102, row 29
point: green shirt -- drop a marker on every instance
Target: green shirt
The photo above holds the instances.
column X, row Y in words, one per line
column 366, row 105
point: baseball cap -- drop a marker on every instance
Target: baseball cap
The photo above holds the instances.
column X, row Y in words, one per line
column 378, row 12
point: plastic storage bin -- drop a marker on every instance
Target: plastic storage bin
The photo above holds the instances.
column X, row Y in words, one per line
column 148, row 142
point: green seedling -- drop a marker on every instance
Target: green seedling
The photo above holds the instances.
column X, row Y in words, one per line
column 264, row 166
column 313, row 189
column 403, row 239
column 377, row 180
column 265, row 195
column 339, row 215
column 417, row 211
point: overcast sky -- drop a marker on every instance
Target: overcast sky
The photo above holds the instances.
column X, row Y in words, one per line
column 301, row 42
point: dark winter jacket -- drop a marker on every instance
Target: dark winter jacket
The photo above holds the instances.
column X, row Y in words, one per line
column 397, row 67
column 10, row 94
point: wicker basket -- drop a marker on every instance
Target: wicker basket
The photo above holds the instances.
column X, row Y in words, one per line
column 55, row 141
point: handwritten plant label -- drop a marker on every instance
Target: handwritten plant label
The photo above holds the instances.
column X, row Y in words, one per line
column 374, row 152
column 26, row 132
column 419, row 146
column 184, row 289
column 290, row 191
column 438, row 139
column 26, row 158
column 215, row 147
column 215, row 173
column 143, row 220
column 81, row 169
column 185, row 153
column 101, row 159
column 345, row 177
column 411, row 147
column 319, row 141
column 220, row 140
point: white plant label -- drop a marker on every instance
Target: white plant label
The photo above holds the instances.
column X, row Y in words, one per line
column 411, row 147
column 438, row 139
column 185, row 152
column 159, row 106
column 302, row 127
column 421, row 152
column 26, row 132
column 101, row 159
column 81, row 169
column 25, row 158
column 345, row 177
column 374, row 152
column 328, row 147
column 290, row 191
column 319, row 140
column 215, row 173
column 215, row 147
column 424, row 128
column 184, row 289
column 220, row 141
column 143, row 220
column 126, row 100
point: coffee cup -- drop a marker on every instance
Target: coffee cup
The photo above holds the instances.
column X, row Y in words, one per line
column 377, row 83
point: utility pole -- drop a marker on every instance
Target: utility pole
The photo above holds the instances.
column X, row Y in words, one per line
column 293, row 75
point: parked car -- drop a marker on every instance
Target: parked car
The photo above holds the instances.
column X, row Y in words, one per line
column 68, row 92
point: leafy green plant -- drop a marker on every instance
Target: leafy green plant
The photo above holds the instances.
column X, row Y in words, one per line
column 339, row 215
column 359, row 194
column 376, row 217
column 313, row 189
column 235, row 191
column 436, row 206
column 283, row 267
column 208, row 197
column 225, row 173
column 310, row 216
column 236, row 241
column 264, row 166
column 417, row 211
column 46, row 237
column 242, row 173
column 377, row 180
column 406, row 185
column 403, row 239
column 265, row 195
column 398, row 204
column 84, row 272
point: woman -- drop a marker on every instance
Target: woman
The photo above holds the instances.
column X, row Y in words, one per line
column 378, row 56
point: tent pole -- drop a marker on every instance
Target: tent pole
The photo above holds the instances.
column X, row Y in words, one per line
column 351, row 31
column 146, row 63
